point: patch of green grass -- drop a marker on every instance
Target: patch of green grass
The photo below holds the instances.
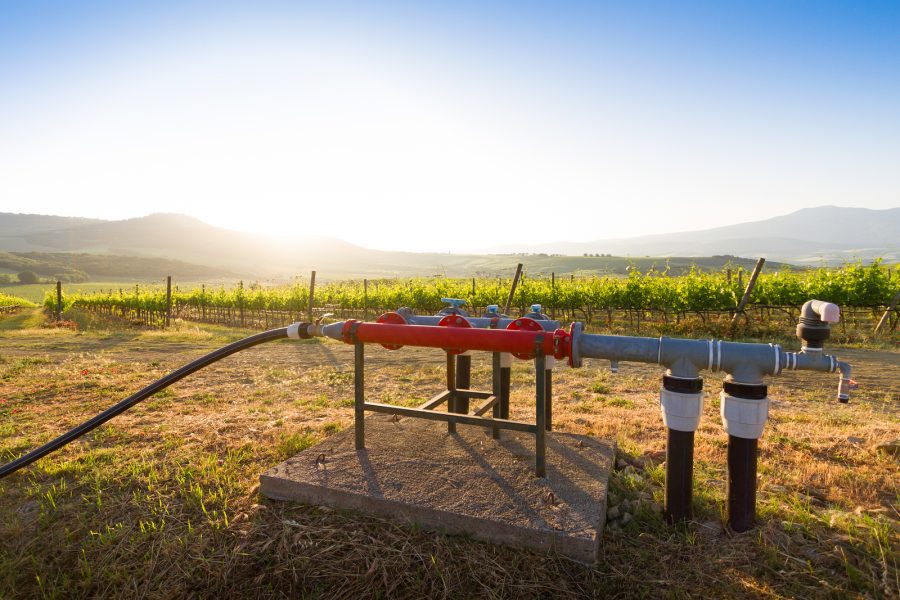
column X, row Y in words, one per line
column 290, row 444
column 19, row 366
column 601, row 387
column 618, row 402
column 25, row 319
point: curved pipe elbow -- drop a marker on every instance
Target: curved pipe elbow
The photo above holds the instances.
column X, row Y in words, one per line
column 820, row 310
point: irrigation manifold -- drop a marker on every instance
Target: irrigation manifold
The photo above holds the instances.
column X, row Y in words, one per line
column 535, row 337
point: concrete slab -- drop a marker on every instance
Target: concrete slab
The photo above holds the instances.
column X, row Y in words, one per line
column 465, row 483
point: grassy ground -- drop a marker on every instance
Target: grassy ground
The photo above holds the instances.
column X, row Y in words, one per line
column 163, row 501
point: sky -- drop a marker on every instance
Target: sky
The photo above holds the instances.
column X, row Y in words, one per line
column 449, row 126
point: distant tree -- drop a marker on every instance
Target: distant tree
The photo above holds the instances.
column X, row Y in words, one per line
column 28, row 277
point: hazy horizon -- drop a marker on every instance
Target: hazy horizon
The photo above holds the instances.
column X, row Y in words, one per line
column 449, row 128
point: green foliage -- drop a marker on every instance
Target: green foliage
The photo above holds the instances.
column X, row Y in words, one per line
column 28, row 277
column 851, row 285
column 6, row 301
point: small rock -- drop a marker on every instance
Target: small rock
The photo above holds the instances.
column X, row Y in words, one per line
column 709, row 529
column 656, row 456
column 777, row 489
column 626, row 505
column 626, row 518
column 29, row 511
column 612, row 513
column 613, row 499
column 892, row 448
column 856, row 440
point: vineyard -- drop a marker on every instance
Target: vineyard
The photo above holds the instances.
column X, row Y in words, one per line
column 651, row 300
column 12, row 303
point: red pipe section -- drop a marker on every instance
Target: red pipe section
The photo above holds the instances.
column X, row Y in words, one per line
column 556, row 344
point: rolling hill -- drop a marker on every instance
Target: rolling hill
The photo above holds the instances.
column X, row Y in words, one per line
column 829, row 234
column 140, row 248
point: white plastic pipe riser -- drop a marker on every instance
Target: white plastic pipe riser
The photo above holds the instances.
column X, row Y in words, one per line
column 681, row 404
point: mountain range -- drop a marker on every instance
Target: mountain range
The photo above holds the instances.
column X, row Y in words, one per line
column 829, row 234
column 820, row 235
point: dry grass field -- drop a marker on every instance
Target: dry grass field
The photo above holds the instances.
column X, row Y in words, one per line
column 163, row 501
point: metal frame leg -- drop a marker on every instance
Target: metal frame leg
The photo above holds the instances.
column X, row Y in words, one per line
column 495, row 389
column 540, row 373
column 505, row 377
column 548, row 398
column 359, row 395
column 451, row 387
column 463, row 381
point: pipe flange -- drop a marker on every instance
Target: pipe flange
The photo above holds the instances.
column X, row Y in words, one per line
column 392, row 318
column 575, row 331
column 525, row 324
column 454, row 321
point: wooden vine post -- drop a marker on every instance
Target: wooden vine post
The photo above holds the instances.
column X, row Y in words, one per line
column 365, row 299
column 746, row 297
column 887, row 313
column 512, row 289
column 58, row 300
column 241, row 301
column 553, row 294
column 312, row 292
column 168, row 299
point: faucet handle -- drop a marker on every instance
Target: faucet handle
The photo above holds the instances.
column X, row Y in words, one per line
column 454, row 302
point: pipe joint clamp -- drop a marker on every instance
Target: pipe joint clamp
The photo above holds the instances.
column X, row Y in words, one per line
column 298, row 331
column 744, row 417
column 681, row 411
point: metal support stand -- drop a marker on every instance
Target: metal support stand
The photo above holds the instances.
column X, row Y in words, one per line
column 454, row 394
column 359, row 395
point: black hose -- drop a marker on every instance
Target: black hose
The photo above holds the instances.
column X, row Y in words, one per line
column 109, row 413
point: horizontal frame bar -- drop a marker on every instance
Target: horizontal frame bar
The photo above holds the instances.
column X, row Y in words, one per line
column 450, row 417
column 436, row 400
column 485, row 406
column 466, row 393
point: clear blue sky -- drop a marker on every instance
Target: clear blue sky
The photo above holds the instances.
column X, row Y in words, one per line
column 454, row 126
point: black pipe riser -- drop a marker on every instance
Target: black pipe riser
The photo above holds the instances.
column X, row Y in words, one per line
column 680, row 456
column 679, row 475
column 742, row 457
